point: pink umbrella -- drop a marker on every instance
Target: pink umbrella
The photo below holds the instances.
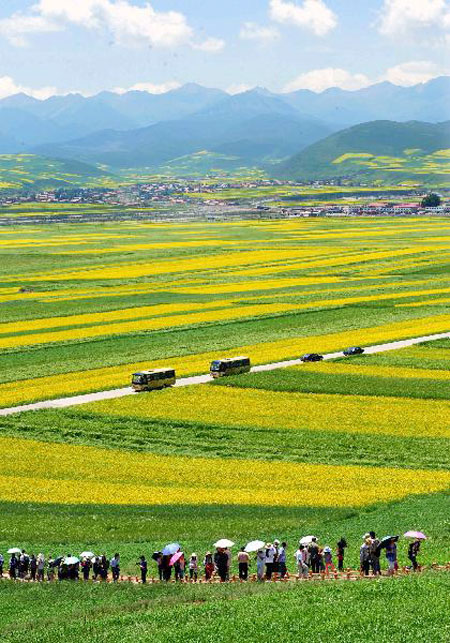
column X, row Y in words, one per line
column 175, row 558
column 415, row 534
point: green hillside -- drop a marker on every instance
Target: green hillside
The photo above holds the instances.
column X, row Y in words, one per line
column 21, row 171
column 384, row 151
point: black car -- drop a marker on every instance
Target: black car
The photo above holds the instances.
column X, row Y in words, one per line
column 311, row 357
column 353, row 350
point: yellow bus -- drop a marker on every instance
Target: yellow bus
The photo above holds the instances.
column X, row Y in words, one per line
column 155, row 379
column 230, row 366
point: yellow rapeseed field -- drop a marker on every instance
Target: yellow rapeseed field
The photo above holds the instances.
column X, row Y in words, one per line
column 114, row 376
column 261, row 409
column 339, row 368
column 66, row 474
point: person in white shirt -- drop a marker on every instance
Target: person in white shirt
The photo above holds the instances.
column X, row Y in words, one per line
column 115, row 567
column 270, row 557
column 300, row 559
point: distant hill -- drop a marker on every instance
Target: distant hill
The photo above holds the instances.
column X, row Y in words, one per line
column 18, row 171
column 251, row 126
column 384, row 150
column 429, row 102
column 26, row 122
column 61, row 118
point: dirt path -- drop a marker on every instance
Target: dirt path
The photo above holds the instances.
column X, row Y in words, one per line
column 203, row 379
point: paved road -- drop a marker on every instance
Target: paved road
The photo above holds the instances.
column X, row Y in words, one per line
column 203, row 379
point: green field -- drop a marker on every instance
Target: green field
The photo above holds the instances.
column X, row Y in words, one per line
column 332, row 449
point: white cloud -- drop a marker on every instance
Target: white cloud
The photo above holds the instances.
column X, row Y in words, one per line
column 239, row 88
column 151, row 88
column 318, row 80
column 253, row 31
column 210, row 45
column 17, row 27
column 405, row 74
column 128, row 23
column 311, row 14
column 400, row 16
column 414, row 72
column 8, row 87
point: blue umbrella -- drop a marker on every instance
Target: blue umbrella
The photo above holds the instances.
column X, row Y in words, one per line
column 171, row 549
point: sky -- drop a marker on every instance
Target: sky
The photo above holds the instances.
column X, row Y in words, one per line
column 59, row 46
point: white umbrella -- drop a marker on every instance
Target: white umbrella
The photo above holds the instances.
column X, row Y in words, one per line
column 306, row 540
column 14, row 550
column 71, row 560
column 224, row 543
column 87, row 554
column 254, row 545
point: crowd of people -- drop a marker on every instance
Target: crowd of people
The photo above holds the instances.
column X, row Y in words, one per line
column 270, row 560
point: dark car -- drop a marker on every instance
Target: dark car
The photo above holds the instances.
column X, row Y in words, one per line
column 354, row 350
column 311, row 357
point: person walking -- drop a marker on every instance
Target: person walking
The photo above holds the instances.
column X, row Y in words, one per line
column 208, row 565
column 391, row 555
column 260, row 564
column 2, row 562
column 86, row 565
column 97, row 568
column 166, row 567
column 328, row 560
column 33, row 567
column 157, row 557
column 365, row 554
column 221, row 562
column 228, row 553
column 375, row 554
column 179, row 568
column 243, row 563
column 314, row 557
column 300, row 559
column 50, row 569
column 13, row 566
column 143, row 566
column 413, row 551
column 282, row 569
column 193, row 567
column 115, row 567
column 269, row 558
column 40, row 567
column 24, row 562
column 276, row 563
column 340, row 552
column 104, row 566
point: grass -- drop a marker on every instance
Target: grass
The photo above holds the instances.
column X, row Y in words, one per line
column 217, row 441
column 391, row 610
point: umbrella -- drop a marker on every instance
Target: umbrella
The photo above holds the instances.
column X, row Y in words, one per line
column 254, row 545
column 415, row 534
column 71, row 560
column 175, row 558
column 171, row 549
column 223, row 543
column 87, row 554
column 57, row 561
column 384, row 542
column 14, row 550
column 306, row 540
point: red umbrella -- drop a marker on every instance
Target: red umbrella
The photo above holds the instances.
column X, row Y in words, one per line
column 175, row 558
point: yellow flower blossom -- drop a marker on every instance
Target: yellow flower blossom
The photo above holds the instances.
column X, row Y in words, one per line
column 147, row 479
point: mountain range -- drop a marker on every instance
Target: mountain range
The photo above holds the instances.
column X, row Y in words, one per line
column 256, row 127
